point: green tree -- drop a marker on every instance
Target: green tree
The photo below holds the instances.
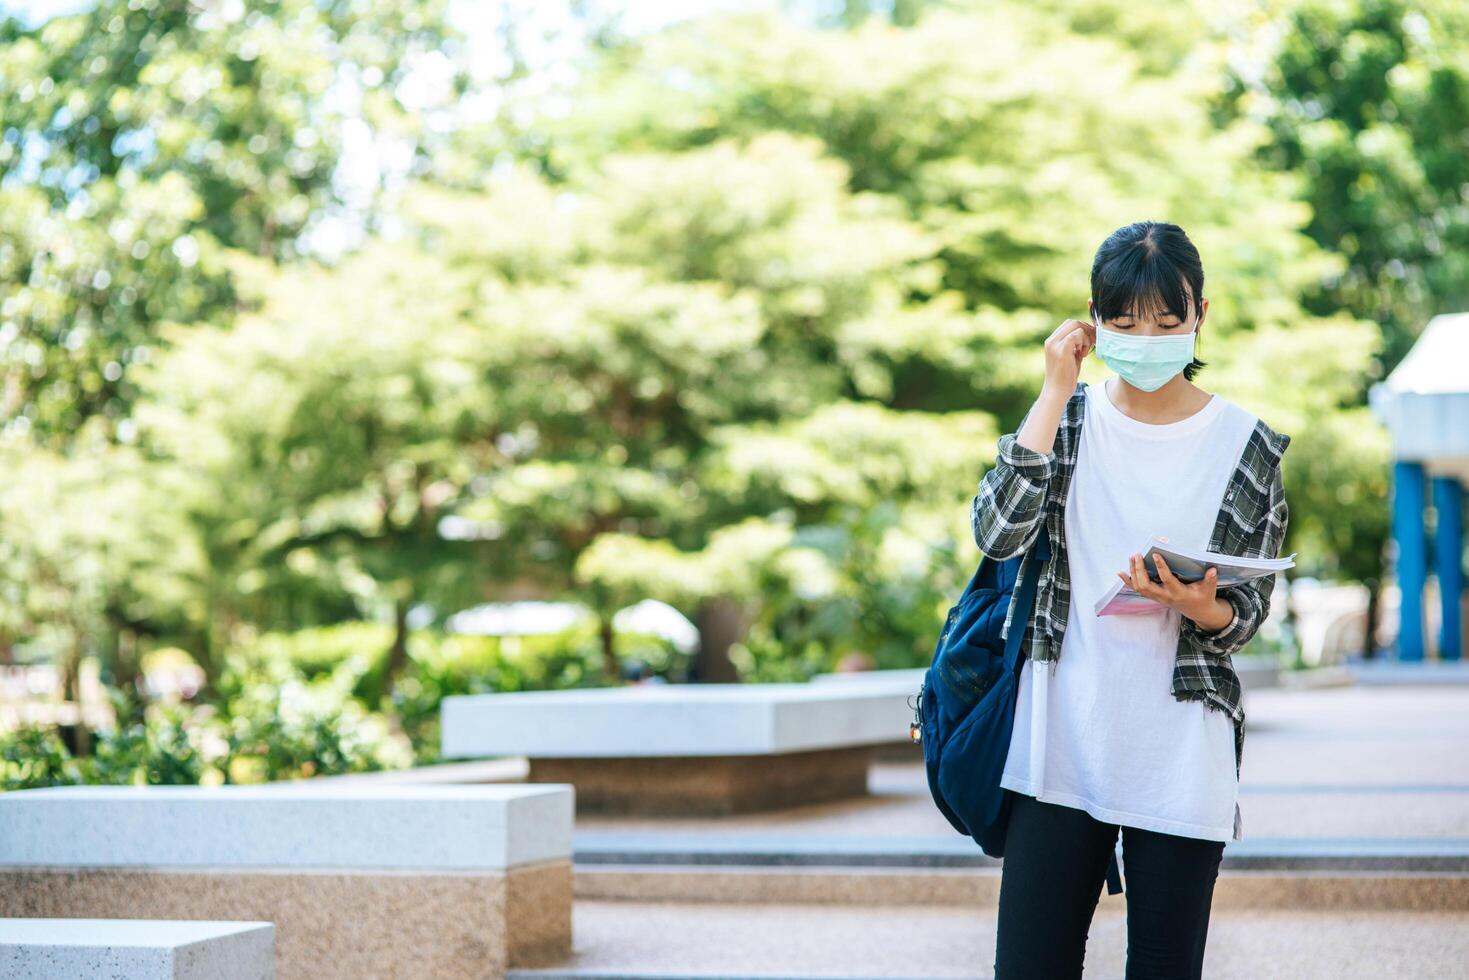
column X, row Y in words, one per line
column 534, row 370
column 683, row 341
column 94, row 558
column 325, row 434
column 140, row 140
column 1369, row 101
column 1017, row 136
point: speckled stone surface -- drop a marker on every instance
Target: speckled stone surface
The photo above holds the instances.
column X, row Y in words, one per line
column 281, row 825
column 135, row 949
column 980, row 888
column 684, row 785
column 394, row 925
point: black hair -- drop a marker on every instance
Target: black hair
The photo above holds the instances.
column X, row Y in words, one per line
column 1141, row 268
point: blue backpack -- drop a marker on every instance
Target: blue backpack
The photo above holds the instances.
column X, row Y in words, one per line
column 966, row 704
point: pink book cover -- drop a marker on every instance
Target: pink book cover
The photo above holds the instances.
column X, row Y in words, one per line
column 1129, row 603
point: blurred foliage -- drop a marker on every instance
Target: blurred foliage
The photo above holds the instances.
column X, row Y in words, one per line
column 731, row 317
column 1017, row 137
column 647, row 376
column 352, row 658
column 1369, row 101
column 863, row 588
column 276, row 725
column 310, row 703
column 34, row 756
column 141, row 140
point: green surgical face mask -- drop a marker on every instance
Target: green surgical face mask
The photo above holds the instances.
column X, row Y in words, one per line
column 1145, row 362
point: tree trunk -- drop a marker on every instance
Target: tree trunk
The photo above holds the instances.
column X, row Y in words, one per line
column 610, row 667
column 398, row 652
column 721, row 623
column 127, row 673
column 214, row 637
column 71, row 689
column 1292, row 627
column 1373, row 611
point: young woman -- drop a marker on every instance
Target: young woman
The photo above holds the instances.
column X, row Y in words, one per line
column 1127, row 724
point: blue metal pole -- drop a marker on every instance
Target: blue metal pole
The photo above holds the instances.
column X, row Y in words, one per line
column 1412, row 571
column 1448, row 550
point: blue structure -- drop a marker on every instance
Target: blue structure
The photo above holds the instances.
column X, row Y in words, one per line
column 1425, row 405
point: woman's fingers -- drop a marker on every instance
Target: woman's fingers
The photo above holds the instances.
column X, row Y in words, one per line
column 1171, row 589
column 1066, row 348
column 1069, row 332
column 1079, row 342
column 1140, row 581
column 1062, row 329
column 1076, row 344
column 1087, row 343
column 1165, row 573
column 1064, row 338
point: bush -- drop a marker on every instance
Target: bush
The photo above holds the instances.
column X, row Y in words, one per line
column 164, row 749
column 301, row 704
column 278, row 724
column 350, row 659
column 35, row 756
column 441, row 665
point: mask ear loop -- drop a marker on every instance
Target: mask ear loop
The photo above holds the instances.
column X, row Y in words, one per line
column 1198, row 325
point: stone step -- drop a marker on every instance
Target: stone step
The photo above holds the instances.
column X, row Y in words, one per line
column 980, row 888
column 725, row 941
column 1277, row 873
column 610, row 847
column 1407, row 672
column 58, row 948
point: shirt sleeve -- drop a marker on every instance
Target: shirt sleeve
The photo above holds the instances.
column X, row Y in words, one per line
column 1005, row 514
column 1251, row 600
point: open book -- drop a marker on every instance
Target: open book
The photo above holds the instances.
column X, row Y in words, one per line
column 1187, row 565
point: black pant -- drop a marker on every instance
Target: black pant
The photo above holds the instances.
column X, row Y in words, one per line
column 1052, row 874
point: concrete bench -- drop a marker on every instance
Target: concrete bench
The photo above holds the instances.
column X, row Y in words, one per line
column 902, row 680
column 380, row 880
column 685, row 749
column 136, row 949
column 1256, row 671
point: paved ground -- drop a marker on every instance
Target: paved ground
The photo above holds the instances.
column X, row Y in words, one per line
column 1325, row 768
column 1349, row 761
column 625, row 939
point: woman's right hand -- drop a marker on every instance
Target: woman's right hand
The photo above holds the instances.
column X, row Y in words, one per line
column 1066, row 347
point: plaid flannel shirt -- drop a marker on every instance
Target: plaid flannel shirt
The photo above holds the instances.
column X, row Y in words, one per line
column 1026, row 491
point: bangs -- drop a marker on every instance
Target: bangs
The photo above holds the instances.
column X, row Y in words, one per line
column 1141, row 282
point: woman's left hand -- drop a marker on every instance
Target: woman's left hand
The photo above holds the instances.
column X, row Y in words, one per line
column 1191, row 599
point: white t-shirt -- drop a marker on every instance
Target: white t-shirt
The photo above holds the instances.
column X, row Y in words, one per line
column 1100, row 729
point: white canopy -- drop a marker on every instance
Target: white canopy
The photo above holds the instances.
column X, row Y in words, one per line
column 1424, row 402
column 1439, row 360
